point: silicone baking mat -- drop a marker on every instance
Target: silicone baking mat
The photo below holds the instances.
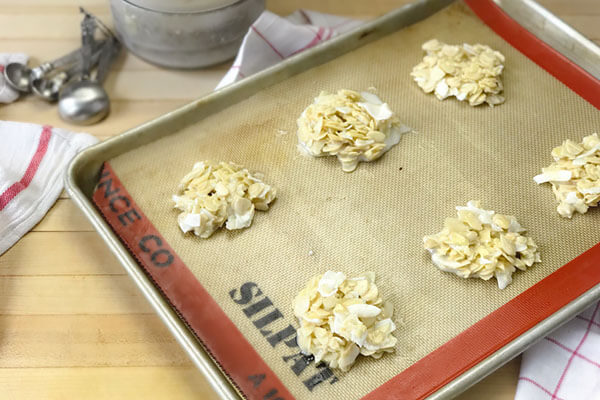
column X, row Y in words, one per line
column 235, row 289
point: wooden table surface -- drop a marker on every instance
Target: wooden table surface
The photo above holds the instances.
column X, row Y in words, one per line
column 72, row 323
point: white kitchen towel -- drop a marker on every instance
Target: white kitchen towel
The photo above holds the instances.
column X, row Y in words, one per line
column 33, row 160
column 566, row 364
column 8, row 94
column 272, row 38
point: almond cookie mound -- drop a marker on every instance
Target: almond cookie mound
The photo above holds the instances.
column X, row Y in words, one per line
column 213, row 194
column 482, row 244
column 468, row 72
column 341, row 318
column 574, row 175
column 350, row 125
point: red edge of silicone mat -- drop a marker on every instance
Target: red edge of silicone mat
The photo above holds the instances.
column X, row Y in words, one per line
column 522, row 313
column 241, row 361
column 218, row 334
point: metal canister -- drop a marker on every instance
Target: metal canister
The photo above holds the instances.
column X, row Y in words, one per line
column 184, row 33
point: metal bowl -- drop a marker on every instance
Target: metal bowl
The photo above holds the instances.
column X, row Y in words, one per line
column 182, row 37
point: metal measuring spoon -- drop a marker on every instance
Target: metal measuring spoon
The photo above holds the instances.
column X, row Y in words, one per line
column 49, row 88
column 20, row 77
column 76, row 104
column 85, row 102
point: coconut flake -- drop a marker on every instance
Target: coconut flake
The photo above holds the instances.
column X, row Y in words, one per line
column 555, row 176
column 380, row 112
column 329, row 283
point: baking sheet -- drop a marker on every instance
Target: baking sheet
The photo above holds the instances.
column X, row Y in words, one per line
column 455, row 365
column 375, row 218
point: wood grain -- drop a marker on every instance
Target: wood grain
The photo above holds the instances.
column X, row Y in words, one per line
column 105, row 383
column 104, row 340
column 72, row 324
column 64, row 216
column 70, row 294
column 60, row 253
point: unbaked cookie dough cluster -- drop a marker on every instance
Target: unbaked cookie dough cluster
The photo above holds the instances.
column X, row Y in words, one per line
column 574, row 175
column 342, row 317
column 213, row 194
column 353, row 126
column 468, row 72
column 482, row 244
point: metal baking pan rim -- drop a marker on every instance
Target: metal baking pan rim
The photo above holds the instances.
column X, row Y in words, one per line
column 517, row 346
